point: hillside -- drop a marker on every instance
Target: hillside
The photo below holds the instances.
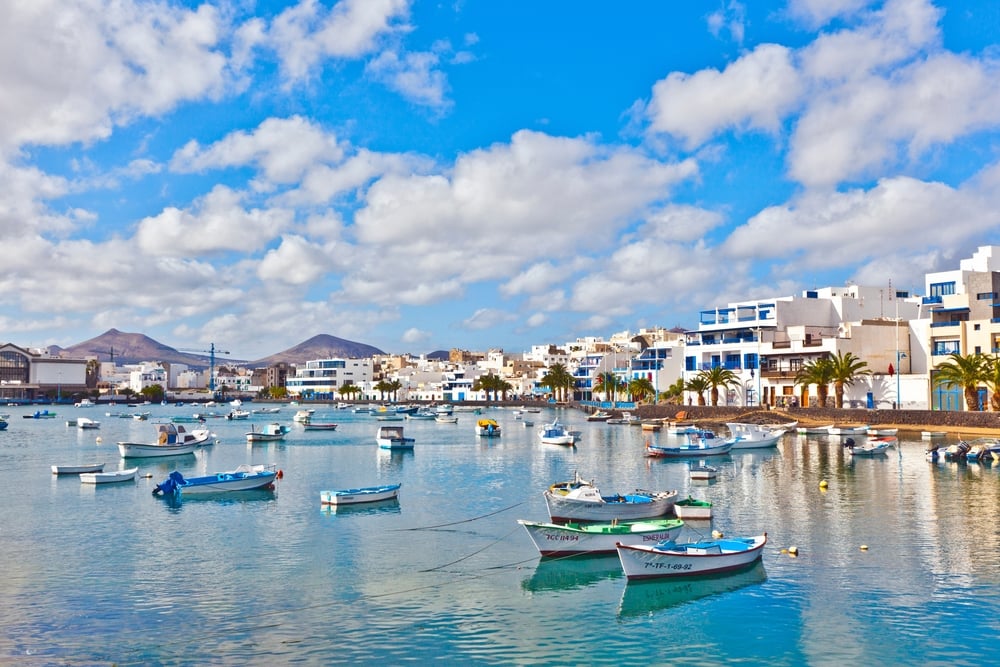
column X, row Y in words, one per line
column 134, row 348
column 322, row 346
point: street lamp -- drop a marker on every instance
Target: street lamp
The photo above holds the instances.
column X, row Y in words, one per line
column 899, row 399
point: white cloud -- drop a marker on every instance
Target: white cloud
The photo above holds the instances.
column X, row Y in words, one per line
column 216, row 222
column 295, row 261
column 413, row 336
column 412, row 75
column 487, row 318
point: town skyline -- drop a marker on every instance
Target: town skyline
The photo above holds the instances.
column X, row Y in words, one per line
column 424, row 177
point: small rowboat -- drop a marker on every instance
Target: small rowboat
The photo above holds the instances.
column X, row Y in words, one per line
column 108, row 477
column 553, row 539
column 366, row 494
column 77, row 469
column 578, row 500
column 319, row 426
column 669, row 559
column 689, row 508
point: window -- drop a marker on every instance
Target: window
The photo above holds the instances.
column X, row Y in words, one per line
column 690, row 364
column 946, row 347
column 750, row 361
column 942, row 289
column 13, row 367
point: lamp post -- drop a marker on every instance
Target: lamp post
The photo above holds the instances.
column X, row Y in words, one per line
column 760, row 370
column 899, row 398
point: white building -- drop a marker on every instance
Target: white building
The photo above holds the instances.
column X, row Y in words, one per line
column 323, row 378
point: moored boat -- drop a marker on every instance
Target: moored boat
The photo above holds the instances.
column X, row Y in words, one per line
column 873, row 447
column 87, row 424
column 77, row 469
column 172, row 440
column 391, row 437
column 814, row 430
column 578, row 500
column 108, row 477
column 552, row 539
column 689, row 508
column 703, row 472
column 694, row 446
column 319, row 426
column 365, row 494
column 752, row 436
column 861, row 429
column 487, row 428
column 556, row 434
column 599, row 416
column 244, row 478
column 269, row 433
column 670, row 559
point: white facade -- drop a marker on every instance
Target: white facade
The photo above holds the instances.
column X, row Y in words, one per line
column 324, row 377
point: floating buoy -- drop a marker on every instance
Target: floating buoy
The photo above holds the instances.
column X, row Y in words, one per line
column 280, row 474
column 99, row 440
column 864, row 547
column 823, row 484
column 148, row 475
column 717, row 534
column 793, row 551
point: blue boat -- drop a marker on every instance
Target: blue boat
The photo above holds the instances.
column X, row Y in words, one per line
column 244, row 478
column 365, row 494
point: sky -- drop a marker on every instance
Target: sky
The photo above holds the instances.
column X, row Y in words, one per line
column 476, row 174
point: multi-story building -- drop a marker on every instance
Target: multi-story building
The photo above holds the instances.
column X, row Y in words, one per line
column 323, row 378
column 32, row 374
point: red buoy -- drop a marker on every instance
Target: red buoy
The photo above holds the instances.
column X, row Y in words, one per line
column 280, row 474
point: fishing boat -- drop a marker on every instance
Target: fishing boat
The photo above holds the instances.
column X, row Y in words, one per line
column 303, row 416
column 694, row 446
column 878, row 432
column 814, row 430
column 754, row 436
column 579, row 500
column 108, row 477
column 929, row 435
column 319, row 426
column 689, row 509
column 552, row 539
column 670, row 559
column 391, row 437
column 487, row 428
column 446, row 419
column 172, row 440
column 873, row 447
column 983, row 449
column 77, row 469
column 627, row 418
column 599, row 416
column 87, row 424
column 642, row 599
column 861, row 429
column 365, row 494
column 244, row 478
column 703, row 472
column 269, row 433
column 238, row 414
column 556, row 434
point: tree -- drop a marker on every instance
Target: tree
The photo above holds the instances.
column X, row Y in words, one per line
column 820, row 373
column 349, row 390
column 964, row 371
column 641, row 388
column 558, row 380
column 717, row 377
column 698, row 385
column 382, row 387
column 845, row 368
column 607, row 382
column 674, row 393
column 154, row 393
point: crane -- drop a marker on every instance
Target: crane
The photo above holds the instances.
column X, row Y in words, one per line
column 211, row 360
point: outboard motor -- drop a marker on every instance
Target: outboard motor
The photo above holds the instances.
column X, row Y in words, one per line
column 849, row 443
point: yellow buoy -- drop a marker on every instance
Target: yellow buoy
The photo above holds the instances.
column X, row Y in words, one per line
column 793, row 551
column 823, row 484
column 864, row 547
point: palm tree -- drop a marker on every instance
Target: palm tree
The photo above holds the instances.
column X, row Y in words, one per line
column 383, row 386
column 820, row 373
column 641, row 388
column 993, row 382
column 608, row 383
column 966, row 371
column 699, row 385
column 719, row 376
column 845, row 368
column 559, row 380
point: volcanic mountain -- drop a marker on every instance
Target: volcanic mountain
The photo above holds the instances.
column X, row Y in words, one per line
column 322, row 346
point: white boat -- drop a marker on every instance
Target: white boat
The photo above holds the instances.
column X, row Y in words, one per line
column 238, row 414
column 754, row 436
column 552, row 539
column 365, row 494
column 391, row 437
column 487, row 428
column 861, row 429
column 691, row 509
column 319, row 426
column 703, row 472
column 266, row 411
column 246, row 477
column 77, row 469
column 108, row 477
column 269, row 433
column 599, row 416
column 556, row 434
column 627, row 419
column 88, row 424
column 882, row 431
column 669, row 559
column 172, row 440
column 578, row 500
column 928, row 435
column 446, row 419
column 814, row 430
column 84, row 403
column 873, row 447
column 302, row 416
column 694, row 446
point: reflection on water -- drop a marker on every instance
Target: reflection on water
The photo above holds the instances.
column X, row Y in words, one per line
column 571, row 572
column 646, row 597
column 390, row 506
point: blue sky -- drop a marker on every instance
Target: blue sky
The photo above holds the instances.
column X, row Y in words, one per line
column 427, row 175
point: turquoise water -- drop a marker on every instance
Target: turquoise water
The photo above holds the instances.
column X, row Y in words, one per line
column 110, row 574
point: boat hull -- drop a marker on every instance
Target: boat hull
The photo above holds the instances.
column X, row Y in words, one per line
column 77, row 469
column 687, row 452
column 245, row 478
column 630, row 508
column 147, row 450
column 368, row 494
column 647, row 562
column 691, row 509
column 554, row 540
column 108, row 477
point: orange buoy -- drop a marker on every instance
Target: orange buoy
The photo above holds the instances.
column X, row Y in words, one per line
column 280, row 474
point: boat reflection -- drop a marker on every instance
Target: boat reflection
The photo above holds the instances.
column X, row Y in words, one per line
column 390, row 506
column 647, row 597
column 177, row 501
column 571, row 572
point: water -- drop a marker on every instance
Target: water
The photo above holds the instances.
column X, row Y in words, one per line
column 110, row 574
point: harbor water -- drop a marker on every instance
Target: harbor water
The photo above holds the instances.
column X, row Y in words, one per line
column 897, row 557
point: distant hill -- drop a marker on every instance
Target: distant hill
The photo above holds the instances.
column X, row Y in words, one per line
column 134, row 348
column 322, row 346
column 439, row 355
